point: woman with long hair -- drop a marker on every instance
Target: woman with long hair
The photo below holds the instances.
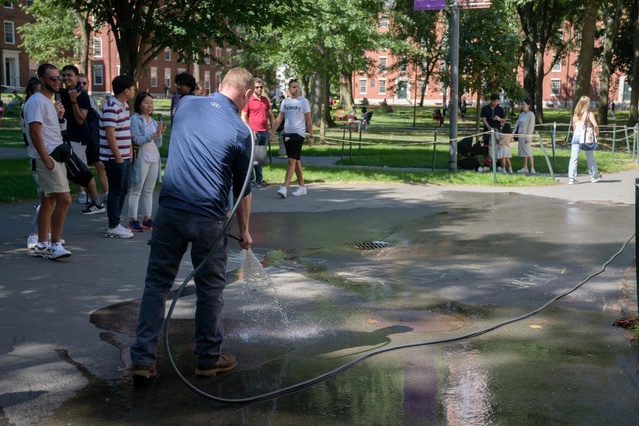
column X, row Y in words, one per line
column 581, row 114
column 146, row 134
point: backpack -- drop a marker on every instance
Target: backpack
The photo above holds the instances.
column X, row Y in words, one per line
column 93, row 146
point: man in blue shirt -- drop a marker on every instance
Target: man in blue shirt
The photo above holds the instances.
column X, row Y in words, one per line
column 210, row 150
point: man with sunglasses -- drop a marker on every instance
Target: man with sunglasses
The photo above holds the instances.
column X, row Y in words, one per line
column 77, row 104
column 46, row 122
column 258, row 115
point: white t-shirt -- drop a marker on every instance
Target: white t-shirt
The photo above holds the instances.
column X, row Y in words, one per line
column 42, row 110
column 294, row 110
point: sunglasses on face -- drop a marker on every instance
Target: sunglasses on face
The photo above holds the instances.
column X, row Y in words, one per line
column 54, row 79
column 84, row 83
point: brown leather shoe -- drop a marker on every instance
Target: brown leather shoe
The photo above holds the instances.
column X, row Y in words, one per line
column 224, row 363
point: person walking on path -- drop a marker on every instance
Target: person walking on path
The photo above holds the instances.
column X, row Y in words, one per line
column 210, row 150
column 46, row 123
column 258, row 115
column 115, row 151
column 146, row 133
column 524, row 129
column 582, row 113
column 297, row 112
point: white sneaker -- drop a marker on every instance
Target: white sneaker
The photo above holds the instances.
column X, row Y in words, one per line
column 82, row 198
column 595, row 179
column 301, row 190
column 522, row 171
column 41, row 250
column 32, row 241
column 56, row 251
column 533, row 172
column 499, row 169
column 572, row 181
column 118, row 232
column 282, row 192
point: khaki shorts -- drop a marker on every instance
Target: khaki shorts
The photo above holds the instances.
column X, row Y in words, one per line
column 51, row 181
column 80, row 150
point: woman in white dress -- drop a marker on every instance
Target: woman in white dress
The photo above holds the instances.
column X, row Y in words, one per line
column 524, row 130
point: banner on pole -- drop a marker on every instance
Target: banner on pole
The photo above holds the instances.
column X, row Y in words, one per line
column 430, row 5
column 441, row 4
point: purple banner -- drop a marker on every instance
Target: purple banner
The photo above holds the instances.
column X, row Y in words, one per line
column 430, row 5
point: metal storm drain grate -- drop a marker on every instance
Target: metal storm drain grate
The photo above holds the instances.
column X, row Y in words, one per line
column 373, row 245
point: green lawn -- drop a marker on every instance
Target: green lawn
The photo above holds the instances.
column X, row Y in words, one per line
column 390, row 143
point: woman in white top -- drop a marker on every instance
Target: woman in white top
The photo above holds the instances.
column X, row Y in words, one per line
column 146, row 133
column 524, row 130
column 582, row 113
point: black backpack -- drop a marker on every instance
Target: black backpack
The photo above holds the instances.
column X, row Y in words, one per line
column 93, row 146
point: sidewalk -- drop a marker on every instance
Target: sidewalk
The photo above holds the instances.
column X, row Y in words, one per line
column 460, row 259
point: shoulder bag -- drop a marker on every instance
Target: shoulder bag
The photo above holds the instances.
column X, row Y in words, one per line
column 588, row 141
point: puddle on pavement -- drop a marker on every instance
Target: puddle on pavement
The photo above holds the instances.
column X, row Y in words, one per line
column 433, row 281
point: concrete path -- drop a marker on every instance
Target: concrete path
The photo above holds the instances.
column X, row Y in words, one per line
column 462, row 258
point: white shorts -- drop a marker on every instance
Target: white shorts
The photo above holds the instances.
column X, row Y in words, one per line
column 80, row 150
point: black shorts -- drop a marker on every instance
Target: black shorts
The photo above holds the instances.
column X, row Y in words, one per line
column 293, row 144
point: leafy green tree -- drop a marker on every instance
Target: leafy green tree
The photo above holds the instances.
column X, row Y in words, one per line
column 626, row 57
column 542, row 22
column 417, row 41
column 488, row 47
column 331, row 41
column 144, row 28
column 51, row 37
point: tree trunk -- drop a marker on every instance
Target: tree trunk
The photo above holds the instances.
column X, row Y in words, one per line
column 530, row 52
column 587, row 52
column 345, row 91
column 315, row 99
column 612, row 27
column 85, row 33
column 539, row 89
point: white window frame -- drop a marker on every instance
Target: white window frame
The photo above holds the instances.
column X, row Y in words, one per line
column 381, row 86
column 556, row 67
column 383, row 63
column 154, row 76
column 98, row 75
column 555, row 82
column 383, row 22
column 167, row 77
column 8, row 5
column 9, row 32
column 97, row 47
column 363, row 86
column 167, row 54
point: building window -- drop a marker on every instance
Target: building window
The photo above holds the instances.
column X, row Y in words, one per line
column 8, row 5
column 97, row 47
column 383, row 22
column 9, row 33
column 167, row 77
column 382, row 63
column 228, row 58
column 117, row 70
column 167, row 54
column 555, row 86
column 154, row 76
column 98, row 75
column 402, row 65
column 557, row 66
column 207, row 57
column 362, row 86
column 381, row 87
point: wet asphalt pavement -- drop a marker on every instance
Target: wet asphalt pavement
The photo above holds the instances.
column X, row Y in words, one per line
column 454, row 261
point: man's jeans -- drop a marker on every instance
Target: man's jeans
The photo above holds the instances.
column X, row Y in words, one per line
column 119, row 178
column 172, row 231
column 262, row 140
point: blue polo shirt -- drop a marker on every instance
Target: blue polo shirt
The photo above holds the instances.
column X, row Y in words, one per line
column 209, row 150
